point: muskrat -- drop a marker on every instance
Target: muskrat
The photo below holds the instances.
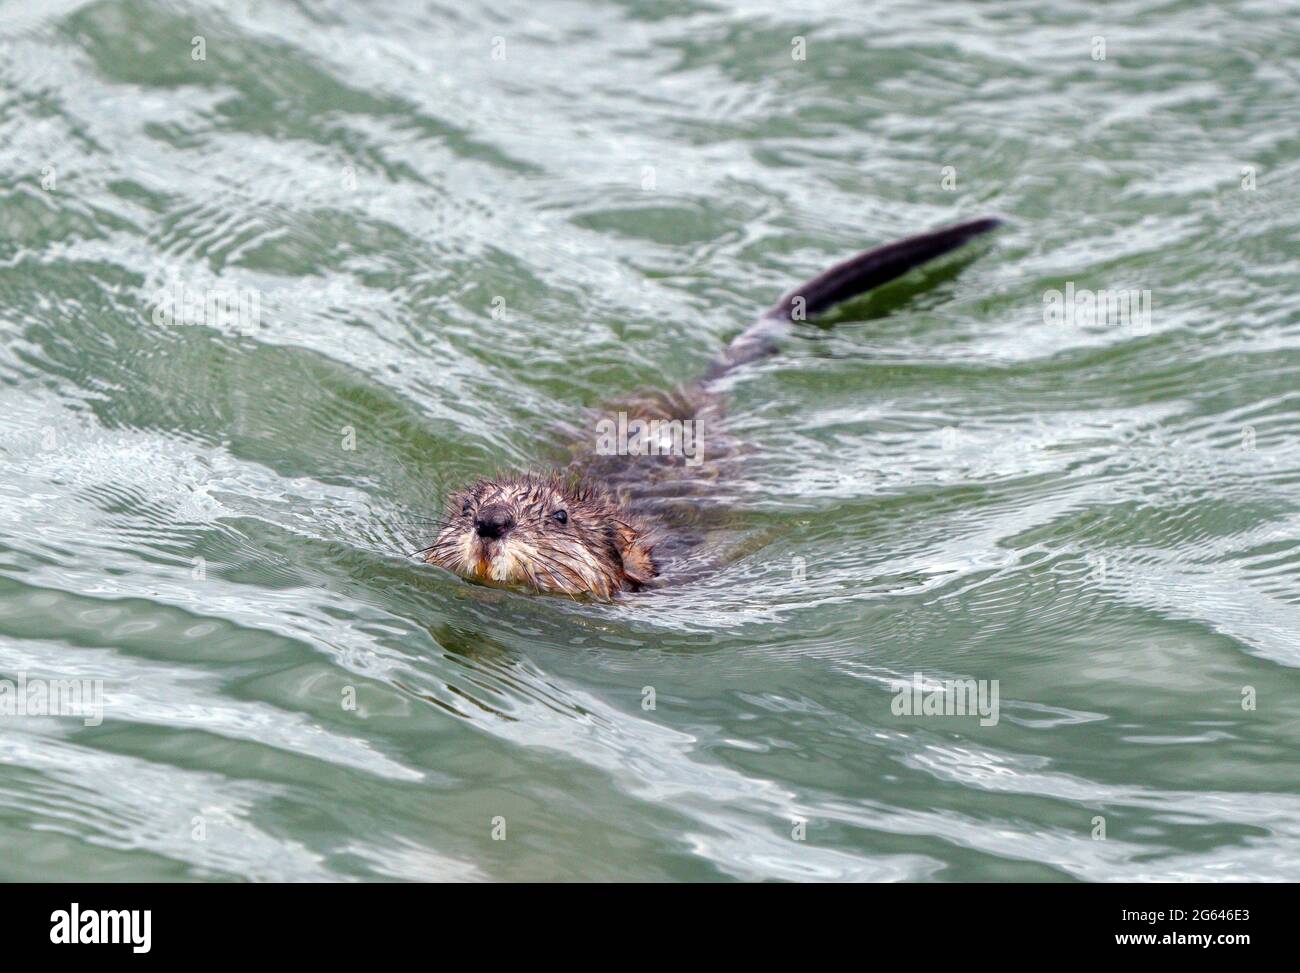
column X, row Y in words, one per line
column 614, row 519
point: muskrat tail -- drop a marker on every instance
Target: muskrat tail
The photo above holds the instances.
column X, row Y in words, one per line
column 854, row 276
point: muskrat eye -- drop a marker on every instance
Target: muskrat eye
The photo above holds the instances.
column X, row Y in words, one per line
column 561, row 517
column 464, row 511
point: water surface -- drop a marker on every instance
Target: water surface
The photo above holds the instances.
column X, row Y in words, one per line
column 466, row 224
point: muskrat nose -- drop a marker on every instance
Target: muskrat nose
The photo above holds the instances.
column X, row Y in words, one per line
column 493, row 521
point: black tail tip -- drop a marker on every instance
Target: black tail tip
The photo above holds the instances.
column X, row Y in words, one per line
column 984, row 224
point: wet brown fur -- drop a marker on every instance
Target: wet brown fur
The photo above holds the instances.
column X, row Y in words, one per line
column 627, row 516
column 600, row 548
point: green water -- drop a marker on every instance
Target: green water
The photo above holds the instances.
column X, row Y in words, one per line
column 212, row 517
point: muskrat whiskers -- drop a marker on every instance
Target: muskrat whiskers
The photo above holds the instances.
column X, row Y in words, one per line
column 559, row 580
column 568, row 571
column 436, row 545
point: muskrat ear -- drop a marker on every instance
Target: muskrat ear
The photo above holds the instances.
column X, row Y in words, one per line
column 638, row 563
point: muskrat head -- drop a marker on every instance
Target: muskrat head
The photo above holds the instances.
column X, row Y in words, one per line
column 545, row 533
